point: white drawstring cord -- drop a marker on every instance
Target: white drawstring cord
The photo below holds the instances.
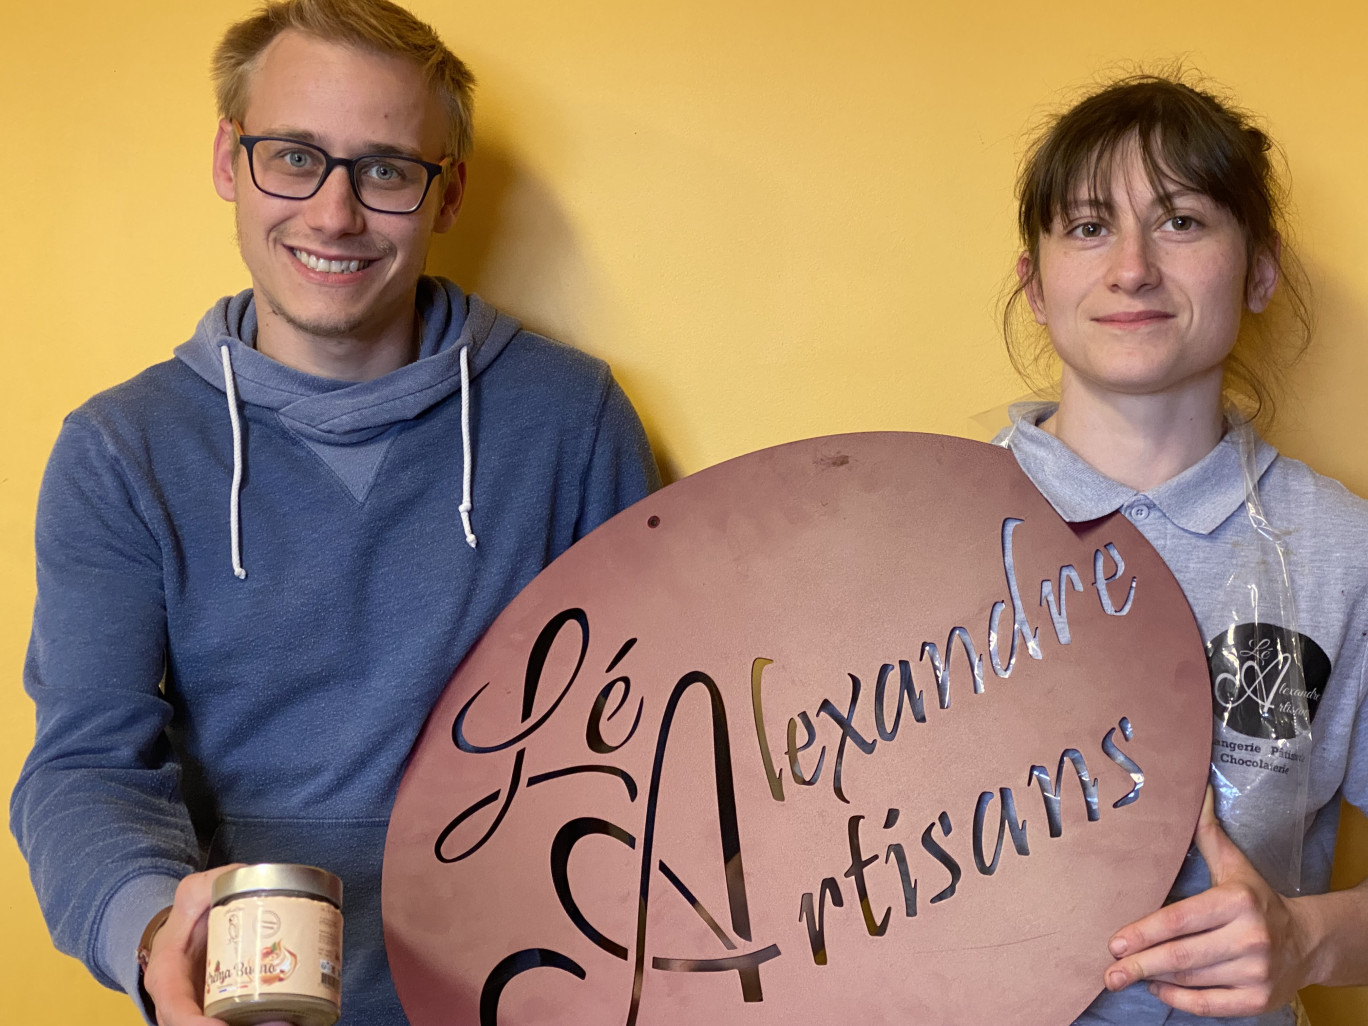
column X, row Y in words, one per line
column 234, row 526
column 466, row 504
column 230, row 387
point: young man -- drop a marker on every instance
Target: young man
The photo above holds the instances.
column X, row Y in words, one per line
column 260, row 561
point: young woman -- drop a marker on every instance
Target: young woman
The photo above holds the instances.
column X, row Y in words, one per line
column 1149, row 222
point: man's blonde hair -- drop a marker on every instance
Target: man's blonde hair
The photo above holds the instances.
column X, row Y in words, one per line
column 374, row 25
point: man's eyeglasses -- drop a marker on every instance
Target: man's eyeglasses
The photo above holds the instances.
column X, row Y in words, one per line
column 383, row 182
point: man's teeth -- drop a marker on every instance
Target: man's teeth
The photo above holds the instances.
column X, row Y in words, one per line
column 329, row 266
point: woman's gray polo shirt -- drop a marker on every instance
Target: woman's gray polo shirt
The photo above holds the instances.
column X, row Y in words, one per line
column 1197, row 522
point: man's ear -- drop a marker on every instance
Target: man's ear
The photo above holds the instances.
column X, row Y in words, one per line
column 225, row 160
column 1263, row 276
column 1030, row 282
column 451, row 198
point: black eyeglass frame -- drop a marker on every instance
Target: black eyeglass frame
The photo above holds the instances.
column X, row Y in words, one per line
column 329, row 162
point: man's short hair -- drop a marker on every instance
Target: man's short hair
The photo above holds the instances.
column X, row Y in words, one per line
column 375, row 25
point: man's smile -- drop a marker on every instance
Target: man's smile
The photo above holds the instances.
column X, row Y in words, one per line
column 328, row 266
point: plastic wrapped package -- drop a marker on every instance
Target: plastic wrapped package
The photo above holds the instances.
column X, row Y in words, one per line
column 1261, row 742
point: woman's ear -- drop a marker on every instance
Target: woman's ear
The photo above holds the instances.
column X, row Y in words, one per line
column 1030, row 285
column 1263, row 275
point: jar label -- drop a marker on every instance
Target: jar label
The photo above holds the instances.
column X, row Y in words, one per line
column 273, row 944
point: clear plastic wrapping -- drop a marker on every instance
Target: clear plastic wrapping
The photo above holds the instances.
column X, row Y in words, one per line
column 1260, row 663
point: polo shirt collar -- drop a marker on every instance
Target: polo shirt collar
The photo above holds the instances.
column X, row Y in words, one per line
column 1198, row 500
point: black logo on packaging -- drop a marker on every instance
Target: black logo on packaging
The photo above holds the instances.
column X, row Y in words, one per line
column 1263, row 676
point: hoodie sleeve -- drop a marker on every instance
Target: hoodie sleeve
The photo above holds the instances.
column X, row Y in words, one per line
column 621, row 469
column 97, row 809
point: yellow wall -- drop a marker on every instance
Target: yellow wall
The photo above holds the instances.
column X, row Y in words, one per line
column 776, row 218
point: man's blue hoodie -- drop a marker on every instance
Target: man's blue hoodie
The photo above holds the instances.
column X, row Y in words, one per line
column 231, row 657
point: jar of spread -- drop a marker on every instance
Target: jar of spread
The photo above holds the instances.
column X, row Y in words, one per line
column 275, row 946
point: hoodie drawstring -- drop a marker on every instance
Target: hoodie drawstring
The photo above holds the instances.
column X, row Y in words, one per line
column 234, row 528
column 466, row 504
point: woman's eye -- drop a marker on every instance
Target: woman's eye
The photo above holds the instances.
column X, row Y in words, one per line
column 1182, row 223
column 1088, row 230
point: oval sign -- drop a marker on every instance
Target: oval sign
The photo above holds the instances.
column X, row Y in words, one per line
column 855, row 729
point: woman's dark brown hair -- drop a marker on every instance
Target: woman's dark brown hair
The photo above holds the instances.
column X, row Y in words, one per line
column 1186, row 138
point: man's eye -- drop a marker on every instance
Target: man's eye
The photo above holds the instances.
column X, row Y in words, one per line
column 383, row 172
column 294, row 160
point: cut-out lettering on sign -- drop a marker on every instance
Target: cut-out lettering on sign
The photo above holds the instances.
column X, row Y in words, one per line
column 854, row 729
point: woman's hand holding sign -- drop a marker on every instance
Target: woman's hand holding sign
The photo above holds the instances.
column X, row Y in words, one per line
column 1239, row 948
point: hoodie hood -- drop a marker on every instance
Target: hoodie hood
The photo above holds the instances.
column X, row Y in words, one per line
column 339, row 413
column 348, row 423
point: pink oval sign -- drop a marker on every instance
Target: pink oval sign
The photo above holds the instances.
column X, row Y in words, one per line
column 855, row 729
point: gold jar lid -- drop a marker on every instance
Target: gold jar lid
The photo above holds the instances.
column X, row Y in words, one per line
column 279, row 876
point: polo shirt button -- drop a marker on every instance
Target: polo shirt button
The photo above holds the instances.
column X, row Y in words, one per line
column 1139, row 512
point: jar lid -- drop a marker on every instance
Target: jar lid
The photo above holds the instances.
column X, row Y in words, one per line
column 279, row 876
